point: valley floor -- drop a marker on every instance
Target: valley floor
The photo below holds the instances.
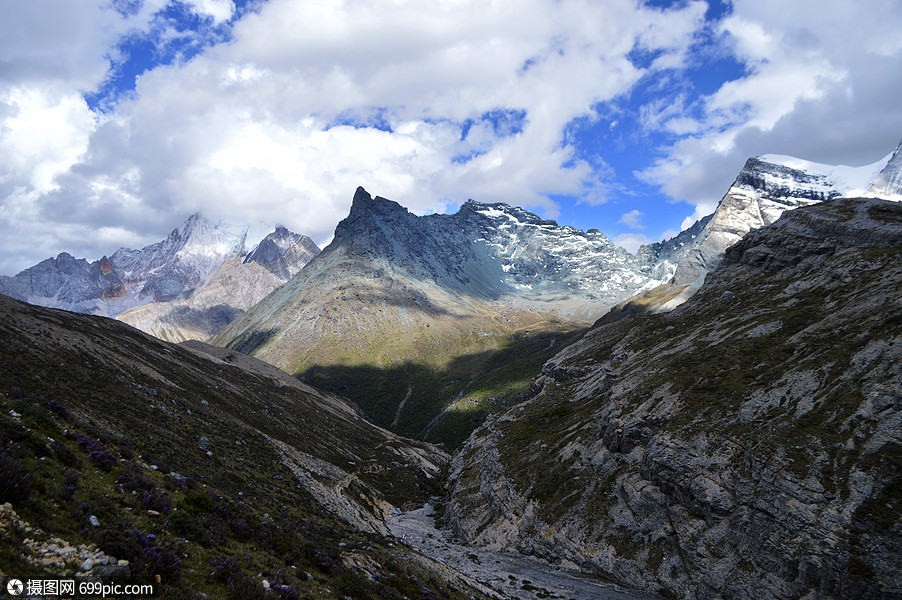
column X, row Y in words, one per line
column 509, row 576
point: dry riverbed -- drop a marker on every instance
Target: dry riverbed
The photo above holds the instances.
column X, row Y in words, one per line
column 507, row 575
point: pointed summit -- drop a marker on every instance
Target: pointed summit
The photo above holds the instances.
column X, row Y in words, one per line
column 361, row 197
column 363, row 201
column 771, row 184
column 283, row 252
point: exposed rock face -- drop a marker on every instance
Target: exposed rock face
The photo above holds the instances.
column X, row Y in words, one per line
column 495, row 252
column 434, row 297
column 174, row 268
column 766, row 187
column 232, row 289
column 744, row 445
column 283, row 253
column 174, row 288
column 888, row 184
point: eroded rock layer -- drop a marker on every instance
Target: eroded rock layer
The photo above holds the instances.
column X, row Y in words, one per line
column 745, row 445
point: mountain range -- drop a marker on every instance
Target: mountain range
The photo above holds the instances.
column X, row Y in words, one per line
column 715, row 416
column 187, row 286
column 430, row 323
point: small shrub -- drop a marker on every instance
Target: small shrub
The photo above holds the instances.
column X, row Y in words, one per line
column 242, row 587
column 102, row 459
column 156, row 499
column 71, row 484
column 145, row 554
column 224, row 569
column 227, row 571
column 198, row 500
column 133, row 479
column 97, row 452
column 153, row 459
column 125, row 451
column 240, row 529
column 122, row 543
column 65, row 456
column 186, row 525
column 15, row 480
column 55, row 407
column 160, row 560
column 180, row 483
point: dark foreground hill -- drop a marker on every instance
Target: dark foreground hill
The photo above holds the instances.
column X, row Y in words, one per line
column 746, row 445
column 218, row 474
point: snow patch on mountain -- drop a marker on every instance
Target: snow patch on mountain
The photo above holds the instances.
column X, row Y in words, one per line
column 847, row 181
column 172, row 272
column 771, row 184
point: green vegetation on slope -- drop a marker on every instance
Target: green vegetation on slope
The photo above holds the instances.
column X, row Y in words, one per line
column 444, row 404
column 114, row 441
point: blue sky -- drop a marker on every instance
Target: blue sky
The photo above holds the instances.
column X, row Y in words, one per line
column 120, row 118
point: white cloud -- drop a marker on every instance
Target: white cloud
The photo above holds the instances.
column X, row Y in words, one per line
column 218, row 10
column 822, row 83
column 257, row 129
column 43, row 133
column 631, row 241
column 631, row 219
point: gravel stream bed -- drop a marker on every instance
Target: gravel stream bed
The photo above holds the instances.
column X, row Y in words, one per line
column 509, row 575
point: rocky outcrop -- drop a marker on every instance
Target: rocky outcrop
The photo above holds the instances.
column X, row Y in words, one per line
column 744, row 445
column 888, row 183
column 283, row 253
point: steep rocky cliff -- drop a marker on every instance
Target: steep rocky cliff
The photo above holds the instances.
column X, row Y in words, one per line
column 744, row 445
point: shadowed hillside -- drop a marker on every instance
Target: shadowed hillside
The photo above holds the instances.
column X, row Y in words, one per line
column 205, row 471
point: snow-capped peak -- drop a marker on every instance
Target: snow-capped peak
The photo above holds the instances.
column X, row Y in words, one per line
column 848, row 181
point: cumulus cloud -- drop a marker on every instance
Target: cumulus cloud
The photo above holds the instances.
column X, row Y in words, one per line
column 631, row 219
column 282, row 111
column 218, row 10
column 426, row 103
column 821, row 81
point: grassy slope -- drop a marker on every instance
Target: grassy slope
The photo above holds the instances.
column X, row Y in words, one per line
column 87, row 405
column 442, row 399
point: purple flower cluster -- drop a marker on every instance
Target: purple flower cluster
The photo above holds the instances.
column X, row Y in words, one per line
column 97, row 452
column 143, row 552
column 55, row 407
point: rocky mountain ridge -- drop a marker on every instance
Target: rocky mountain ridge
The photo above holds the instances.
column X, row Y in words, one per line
column 403, row 313
column 771, row 184
column 744, row 445
column 172, row 288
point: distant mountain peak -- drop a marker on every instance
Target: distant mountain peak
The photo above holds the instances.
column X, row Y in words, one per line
column 283, row 252
column 172, row 269
column 770, row 184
